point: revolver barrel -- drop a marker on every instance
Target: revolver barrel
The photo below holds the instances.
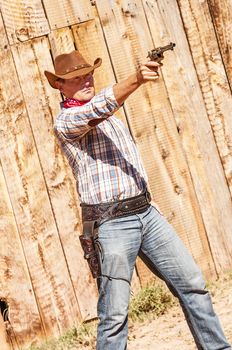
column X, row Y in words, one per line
column 157, row 54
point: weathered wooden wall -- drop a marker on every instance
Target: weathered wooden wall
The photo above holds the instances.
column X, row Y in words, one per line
column 182, row 125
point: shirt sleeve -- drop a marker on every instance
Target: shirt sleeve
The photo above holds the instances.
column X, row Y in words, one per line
column 75, row 122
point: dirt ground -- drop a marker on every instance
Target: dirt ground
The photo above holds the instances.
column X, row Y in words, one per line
column 170, row 331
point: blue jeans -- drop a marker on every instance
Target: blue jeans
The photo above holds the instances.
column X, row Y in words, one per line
column 151, row 237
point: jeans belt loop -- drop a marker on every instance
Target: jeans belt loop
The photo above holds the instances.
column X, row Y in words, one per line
column 148, row 196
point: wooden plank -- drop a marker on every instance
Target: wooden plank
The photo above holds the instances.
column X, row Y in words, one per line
column 61, row 41
column 221, row 14
column 63, row 13
column 58, row 176
column 25, row 323
column 194, row 129
column 154, row 128
column 28, row 194
column 24, row 19
column 212, row 76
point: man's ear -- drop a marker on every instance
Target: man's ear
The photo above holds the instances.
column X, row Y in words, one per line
column 59, row 85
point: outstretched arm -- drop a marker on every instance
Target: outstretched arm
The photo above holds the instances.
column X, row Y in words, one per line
column 146, row 72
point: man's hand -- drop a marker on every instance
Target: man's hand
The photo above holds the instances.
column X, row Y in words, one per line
column 148, row 72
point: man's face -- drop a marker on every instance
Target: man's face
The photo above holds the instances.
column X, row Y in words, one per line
column 80, row 88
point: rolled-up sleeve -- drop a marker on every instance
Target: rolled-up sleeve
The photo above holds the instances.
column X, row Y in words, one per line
column 75, row 122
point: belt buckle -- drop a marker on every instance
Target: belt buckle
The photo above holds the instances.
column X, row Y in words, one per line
column 124, row 207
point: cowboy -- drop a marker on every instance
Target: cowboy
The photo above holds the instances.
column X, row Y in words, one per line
column 116, row 208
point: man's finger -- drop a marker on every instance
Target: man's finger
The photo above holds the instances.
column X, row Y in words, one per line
column 153, row 64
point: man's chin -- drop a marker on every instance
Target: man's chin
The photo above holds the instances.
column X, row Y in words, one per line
column 85, row 96
column 89, row 97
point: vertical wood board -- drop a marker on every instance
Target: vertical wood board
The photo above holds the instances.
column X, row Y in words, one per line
column 221, row 13
column 63, row 13
column 35, row 221
column 154, row 127
column 61, row 41
column 24, row 19
column 59, row 179
column 212, row 77
column 23, row 313
column 194, row 129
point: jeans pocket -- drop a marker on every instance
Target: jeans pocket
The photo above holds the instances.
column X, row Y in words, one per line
column 156, row 207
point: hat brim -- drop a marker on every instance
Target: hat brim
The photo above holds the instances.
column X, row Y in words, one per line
column 51, row 77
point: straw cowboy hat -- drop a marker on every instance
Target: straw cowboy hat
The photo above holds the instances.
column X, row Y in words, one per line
column 70, row 65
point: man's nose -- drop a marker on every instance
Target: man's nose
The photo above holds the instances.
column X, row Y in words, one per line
column 88, row 81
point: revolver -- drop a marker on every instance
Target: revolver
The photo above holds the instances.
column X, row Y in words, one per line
column 157, row 54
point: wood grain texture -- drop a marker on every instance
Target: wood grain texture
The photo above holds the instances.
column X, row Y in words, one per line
column 195, row 131
column 221, row 14
column 211, row 72
column 63, row 13
column 154, row 127
column 24, row 317
column 61, row 41
column 32, row 208
column 24, row 19
column 58, row 176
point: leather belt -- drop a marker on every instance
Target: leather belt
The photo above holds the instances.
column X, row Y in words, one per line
column 110, row 210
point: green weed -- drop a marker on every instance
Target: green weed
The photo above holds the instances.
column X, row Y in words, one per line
column 151, row 301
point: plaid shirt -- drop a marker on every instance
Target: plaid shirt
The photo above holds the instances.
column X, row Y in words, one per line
column 100, row 151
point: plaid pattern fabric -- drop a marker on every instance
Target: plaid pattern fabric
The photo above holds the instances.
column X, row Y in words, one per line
column 100, row 151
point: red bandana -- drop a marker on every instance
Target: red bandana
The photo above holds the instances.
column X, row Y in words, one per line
column 72, row 102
